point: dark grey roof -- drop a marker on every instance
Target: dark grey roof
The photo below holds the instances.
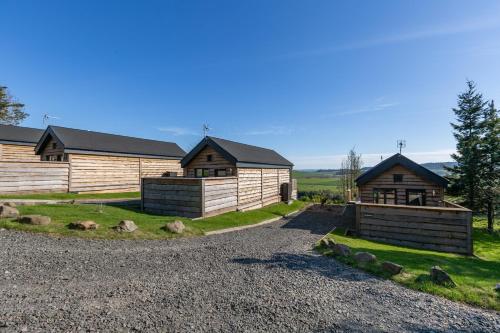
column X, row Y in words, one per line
column 81, row 140
column 399, row 159
column 239, row 153
column 18, row 134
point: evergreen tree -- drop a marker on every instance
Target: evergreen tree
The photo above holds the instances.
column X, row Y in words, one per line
column 465, row 176
column 11, row 112
column 490, row 160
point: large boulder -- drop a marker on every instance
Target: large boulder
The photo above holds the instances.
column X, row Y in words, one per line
column 84, row 225
column 327, row 243
column 34, row 219
column 177, row 227
column 126, row 226
column 8, row 212
column 391, row 267
column 341, row 250
column 439, row 276
column 365, row 258
column 10, row 204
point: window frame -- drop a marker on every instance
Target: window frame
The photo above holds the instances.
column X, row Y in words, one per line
column 203, row 170
column 416, row 190
column 219, row 170
column 376, row 195
column 397, row 177
column 210, row 158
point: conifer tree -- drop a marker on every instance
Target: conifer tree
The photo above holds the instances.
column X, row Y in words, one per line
column 11, row 112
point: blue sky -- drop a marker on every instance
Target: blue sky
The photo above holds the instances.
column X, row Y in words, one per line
column 310, row 79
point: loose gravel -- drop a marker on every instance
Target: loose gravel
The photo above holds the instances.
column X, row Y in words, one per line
column 263, row 279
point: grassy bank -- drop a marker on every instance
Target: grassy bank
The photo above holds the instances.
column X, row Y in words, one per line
column 475, row 277
column 74, row 196
column 149, row 225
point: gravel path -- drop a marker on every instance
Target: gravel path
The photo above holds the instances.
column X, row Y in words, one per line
column 262, row 279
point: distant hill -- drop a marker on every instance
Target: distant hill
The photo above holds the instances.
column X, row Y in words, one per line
column 437, row 167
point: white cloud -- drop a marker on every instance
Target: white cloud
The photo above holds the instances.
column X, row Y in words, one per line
column 271, row 130
column 379, row 105
column 436, row 31
column 333, row 161
column 178, row 131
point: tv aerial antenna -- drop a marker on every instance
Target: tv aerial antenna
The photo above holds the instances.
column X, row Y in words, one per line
column 401, row 144
column 47, row 117
column 205, row 129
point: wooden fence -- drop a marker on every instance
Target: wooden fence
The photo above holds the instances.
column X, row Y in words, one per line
column 190, row 197
column 33, row 177
column 447, row 229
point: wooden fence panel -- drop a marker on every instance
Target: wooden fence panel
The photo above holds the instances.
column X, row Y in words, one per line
column 172, row 196
column 220, row 195
column 33, row 177
column 18, row 153
column 432, row 228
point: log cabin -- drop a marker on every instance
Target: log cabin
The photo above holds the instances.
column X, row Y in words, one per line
column 221, row 176
column 400, row 181
column 102, row 162
column 18, row 143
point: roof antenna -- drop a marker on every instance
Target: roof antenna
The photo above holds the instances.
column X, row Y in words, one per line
column 401, row 144
column 47, row 117
column 205, row 129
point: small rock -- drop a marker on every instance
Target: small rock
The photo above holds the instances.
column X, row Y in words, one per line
column 439, row 276
column 497, row 288
column 10, row 204
column 341, row 250
column 126, row 226
column 391, row 267
column 84, row 225
column 327, row 242
column 34, row 219
column 176, row 227
column 365, row 257
column 8, row 212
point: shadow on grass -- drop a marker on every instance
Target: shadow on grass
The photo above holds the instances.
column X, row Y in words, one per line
column 312, row 264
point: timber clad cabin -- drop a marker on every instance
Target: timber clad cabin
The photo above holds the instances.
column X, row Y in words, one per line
column 400, row 181
column 18, row 143
column 221, row 176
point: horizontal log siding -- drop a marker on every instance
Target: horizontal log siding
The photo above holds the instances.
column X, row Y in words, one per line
column 220, row 195
column 410, row 181
column 153, row 167
column 95, row 173
column 172, row 196
column 200, row 161
column 430, row 228
column 18, row 153
column 33, row 177
column 270, row 186
column 249, row 188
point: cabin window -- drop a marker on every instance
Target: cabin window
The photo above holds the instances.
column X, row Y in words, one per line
column 54, row 145
column 47, row 158
column 199, row 173
column 398, row 178
column 385, row 196
column 209, row 158
column 220, row 173
column 415, row 197
column 59, row 158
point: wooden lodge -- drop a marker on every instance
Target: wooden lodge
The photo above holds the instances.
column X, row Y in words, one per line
column 221, row 176
column 18, row 143
column 400, row 181
column 62, row 159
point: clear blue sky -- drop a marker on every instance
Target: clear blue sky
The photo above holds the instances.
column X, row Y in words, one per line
column 310, row 79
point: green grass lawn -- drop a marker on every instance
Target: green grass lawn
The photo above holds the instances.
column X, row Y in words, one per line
column 70, row 196
column 475, row 277
column 316, row 181
column 149, row 225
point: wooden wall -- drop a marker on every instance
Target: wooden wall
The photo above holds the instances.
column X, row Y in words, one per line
column 434, row 193
column 20, row 153
column 220, row 195
column 200, row 161
column 33, row 177
column 430, row 228
column 99, row 173
column 155, row 167
column 50, row 151
column 172, row 196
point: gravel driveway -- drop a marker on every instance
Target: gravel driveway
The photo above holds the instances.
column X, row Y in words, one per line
column 261, row 279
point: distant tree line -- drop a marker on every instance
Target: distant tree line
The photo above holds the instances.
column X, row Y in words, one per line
column 476, row 176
